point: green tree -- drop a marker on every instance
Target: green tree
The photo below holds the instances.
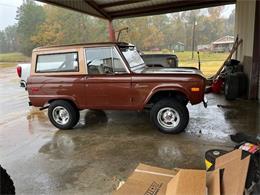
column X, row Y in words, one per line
column 11, row 38
column 143, row 32
column 230, row 23
column 64, row 26
column 176, row 31
column 8, row 39
column 49, row 25
column 3, row 42
column 29, row 16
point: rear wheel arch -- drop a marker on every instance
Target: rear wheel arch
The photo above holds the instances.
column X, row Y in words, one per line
column 72, row 102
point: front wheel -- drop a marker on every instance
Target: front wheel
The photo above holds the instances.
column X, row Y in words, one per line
column 63, row 114
column 169, row 116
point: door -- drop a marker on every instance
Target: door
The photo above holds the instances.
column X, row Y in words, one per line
column 108, row 82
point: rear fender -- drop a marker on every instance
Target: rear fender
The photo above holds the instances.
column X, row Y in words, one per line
column 66, row 98
column 44, row 100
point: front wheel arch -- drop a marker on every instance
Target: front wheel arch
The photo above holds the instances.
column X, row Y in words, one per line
column 163, row 94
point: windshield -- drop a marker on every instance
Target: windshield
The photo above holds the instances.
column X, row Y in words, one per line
column 133, row 58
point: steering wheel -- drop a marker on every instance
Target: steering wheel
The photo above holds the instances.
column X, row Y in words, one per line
column 107, row 69
column 63, row 65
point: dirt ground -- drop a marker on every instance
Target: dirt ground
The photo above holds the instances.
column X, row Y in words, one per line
column 105, row 147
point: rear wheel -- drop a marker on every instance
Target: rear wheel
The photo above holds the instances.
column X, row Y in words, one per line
column 63, row 114
column 169, row 116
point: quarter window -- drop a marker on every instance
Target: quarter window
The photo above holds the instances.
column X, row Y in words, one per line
column 62, row 62
column 104, row 61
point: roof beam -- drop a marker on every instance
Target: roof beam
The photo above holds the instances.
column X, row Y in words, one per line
column 66, row 6
column 119, row 3
column 95, row 8
column 168, row 8
column 92, row 4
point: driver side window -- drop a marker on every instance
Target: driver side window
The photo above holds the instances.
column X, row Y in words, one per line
column 104, row 60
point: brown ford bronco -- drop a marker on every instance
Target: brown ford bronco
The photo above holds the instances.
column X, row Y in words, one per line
column 110, row 76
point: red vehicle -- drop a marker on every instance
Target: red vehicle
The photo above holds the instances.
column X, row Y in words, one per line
column 110, row 76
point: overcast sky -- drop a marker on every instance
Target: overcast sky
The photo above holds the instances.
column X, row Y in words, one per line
column 8, row 12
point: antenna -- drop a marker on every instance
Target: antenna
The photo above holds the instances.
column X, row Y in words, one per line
column 198, row 59
column 119, row 32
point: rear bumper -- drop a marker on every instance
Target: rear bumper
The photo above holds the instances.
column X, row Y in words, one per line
column 205, row 102
column 23, row 84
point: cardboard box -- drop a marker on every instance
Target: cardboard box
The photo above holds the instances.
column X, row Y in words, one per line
column 149, row 180
column 228, row 178
column 234, row 172
column 188, row 182
column 213, row 182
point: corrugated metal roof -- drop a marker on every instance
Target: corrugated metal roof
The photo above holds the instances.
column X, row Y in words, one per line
column 141, row 4
column 112, row 9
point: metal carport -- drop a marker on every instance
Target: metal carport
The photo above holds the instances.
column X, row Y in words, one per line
column 247, row 16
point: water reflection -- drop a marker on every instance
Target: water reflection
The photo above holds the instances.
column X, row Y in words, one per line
column 169, row 152
column 61, row 143
column 244, row 117
column 95, row 117
column 36, row 118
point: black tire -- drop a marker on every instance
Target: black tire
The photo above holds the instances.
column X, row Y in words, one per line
column 177, row 107
column 242, row 80
column 239, row 68
column 73, row 114
column 6, row 183
column 231, row 87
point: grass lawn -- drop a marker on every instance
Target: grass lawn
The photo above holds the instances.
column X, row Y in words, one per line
column 210, row 62
column 13, row 57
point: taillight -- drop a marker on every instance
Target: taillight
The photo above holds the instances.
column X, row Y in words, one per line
column 19, row 70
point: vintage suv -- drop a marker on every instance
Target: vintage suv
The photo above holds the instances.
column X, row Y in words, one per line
column 110, row 76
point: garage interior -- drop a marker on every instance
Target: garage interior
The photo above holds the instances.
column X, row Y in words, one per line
column 107, row 146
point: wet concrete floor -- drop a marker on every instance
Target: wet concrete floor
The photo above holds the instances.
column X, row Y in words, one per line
column 105, row 147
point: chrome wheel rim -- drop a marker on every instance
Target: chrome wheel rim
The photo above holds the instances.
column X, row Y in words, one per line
column 60, row 115
column 168, row 118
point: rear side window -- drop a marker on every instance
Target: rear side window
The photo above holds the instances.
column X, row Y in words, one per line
column 61, row 62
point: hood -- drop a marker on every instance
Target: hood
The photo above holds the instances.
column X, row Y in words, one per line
column 159, row 70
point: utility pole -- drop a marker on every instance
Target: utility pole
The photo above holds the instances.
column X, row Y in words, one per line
column 193, row 37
